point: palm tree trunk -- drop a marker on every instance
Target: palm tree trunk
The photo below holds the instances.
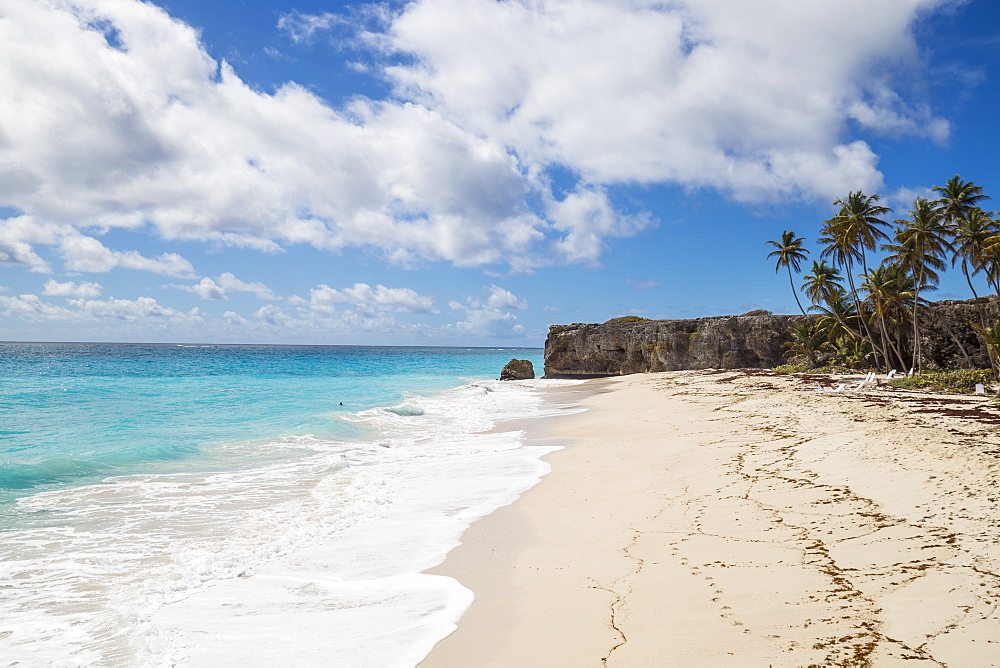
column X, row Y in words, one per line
column 916, row 330
column 979, row 307
column 795, row 293
column 861, row 315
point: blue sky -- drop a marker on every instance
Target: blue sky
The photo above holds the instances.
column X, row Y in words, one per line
column 457, row 172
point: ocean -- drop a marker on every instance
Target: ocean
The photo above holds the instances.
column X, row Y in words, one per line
column 247, row 505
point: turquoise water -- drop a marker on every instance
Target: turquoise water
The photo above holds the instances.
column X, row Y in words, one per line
column 165, row 505
column 76, row 413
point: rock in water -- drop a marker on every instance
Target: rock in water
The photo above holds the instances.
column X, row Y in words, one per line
column 518, row 370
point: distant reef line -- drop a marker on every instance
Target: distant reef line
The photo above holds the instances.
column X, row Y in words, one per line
column 947, row 337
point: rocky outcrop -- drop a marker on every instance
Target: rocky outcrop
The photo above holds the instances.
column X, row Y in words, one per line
column 518, row 370
column 736, row 342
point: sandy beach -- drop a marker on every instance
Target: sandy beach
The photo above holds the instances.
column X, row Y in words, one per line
column 729, row 518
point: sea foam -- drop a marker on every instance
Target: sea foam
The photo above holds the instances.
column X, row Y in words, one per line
column 311, row 553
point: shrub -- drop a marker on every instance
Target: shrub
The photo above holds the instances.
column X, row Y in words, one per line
column 758, row 311
column 626, row 319
column 963, row 380
column 790, row 368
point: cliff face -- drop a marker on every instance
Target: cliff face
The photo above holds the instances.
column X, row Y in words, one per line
column 734, row 342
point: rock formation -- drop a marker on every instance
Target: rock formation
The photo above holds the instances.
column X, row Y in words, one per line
column 518, row 370
column 733, row 342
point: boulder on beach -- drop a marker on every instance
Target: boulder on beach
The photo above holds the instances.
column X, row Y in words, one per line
column 518, row 370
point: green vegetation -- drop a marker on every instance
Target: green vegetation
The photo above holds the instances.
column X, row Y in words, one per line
column 875, row 321
column 790, row 254
column 758, row 311
column 626, row 319
column 963, row 380
column 790, row 368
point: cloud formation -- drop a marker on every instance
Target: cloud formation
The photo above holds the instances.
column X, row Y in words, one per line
column 368, row 299
column 751, row 98
column 208, row 288
column 115, row 116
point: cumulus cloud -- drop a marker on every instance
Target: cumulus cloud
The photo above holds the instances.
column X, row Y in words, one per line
column 750, row 98
column 71, row 289
column 488, row 317
column 500, row 298
column 86, row 254
column 129, row 123
column 144, row 309
column 208, row 288
column 368, row 298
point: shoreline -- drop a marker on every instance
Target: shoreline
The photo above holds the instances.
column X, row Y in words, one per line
column 739, row 518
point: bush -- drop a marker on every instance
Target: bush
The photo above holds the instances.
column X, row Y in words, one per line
column 626, row 319
column 758, row 311
column 963, row 380
column 790, row 368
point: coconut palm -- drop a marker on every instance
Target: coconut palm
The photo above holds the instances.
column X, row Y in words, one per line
column 884, row 286
column 921, row 244
column 991, row 337
column 822, row 283
column 957, row 199
column 807, row 339
column 859, row 216
column 790, row 254
column 973, row 236
column 848, row 235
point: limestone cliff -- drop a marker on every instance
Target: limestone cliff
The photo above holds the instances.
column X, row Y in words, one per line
column 734, row 342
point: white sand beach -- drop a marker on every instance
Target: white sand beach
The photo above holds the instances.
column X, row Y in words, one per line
column 729, row 518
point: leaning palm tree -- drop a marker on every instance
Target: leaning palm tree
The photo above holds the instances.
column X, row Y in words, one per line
column 973, row 235
column 921, row 244
column 957, row 199
column 790, row 254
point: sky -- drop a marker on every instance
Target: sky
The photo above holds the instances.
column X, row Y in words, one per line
column 458, row 172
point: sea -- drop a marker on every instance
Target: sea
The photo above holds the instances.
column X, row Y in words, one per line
column 222, row 505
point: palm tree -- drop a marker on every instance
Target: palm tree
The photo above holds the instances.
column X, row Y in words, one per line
column 822, row 284
column 920, row 247
column 856, row 229
column 807, row 340
column 860, row 218
column 790, row 254
column 973, row 235
column 884, row 285
column 957, row 199
column 991, row 337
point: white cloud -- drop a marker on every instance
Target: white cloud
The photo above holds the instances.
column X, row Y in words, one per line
column 71, row 289
column 752, row 98
column 208, row 288
column 142, row 310
column 489, row 319
column 303, row 27
column 366, row 297
column 128, row 309
column 645, row 284
column 86, row 254
column 230, row 283
column 500, row 299
column 129, row 123
column 32, row 308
